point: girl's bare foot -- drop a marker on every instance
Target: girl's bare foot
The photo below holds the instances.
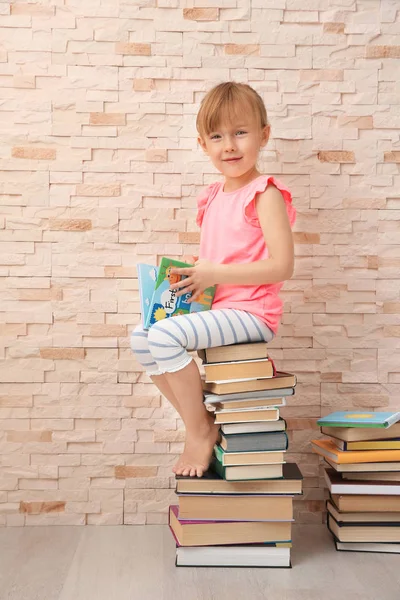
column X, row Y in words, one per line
column 198, row 449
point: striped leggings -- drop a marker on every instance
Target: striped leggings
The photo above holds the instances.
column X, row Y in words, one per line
column 164, row 347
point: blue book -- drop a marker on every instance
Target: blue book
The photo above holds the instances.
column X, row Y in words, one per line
column 359, row 418
column 158, row 301
column 147, row 276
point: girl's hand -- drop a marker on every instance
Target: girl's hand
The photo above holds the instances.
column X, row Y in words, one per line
column 199, row 277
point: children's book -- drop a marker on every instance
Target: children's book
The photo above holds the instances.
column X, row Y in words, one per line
column 356, row 418
column 158, row 301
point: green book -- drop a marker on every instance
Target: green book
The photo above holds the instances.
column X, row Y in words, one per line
column 247, row 472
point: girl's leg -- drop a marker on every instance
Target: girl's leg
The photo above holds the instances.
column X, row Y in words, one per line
column 139, row 345
column 169, row 341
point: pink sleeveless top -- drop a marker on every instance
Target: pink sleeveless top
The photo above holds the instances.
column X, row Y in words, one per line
column 231, row 233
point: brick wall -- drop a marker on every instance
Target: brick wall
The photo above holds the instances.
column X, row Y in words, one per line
column 100, row 169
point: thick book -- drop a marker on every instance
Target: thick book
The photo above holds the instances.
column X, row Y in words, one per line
column 367, row 547
column 260, row 368
column 247, row 416
column 164, row 302
column 247, row 472
column 364, row 532
column 256, row 427
column 253, row 442
column 367, row 445
column 354, row 434
column 219, row 533
column 232, row 352
column 244, row 397
column 250, row 556
column 353, row 517
column 327, row 449
column 235, row 508
column 213, row 483
column 280, row 380
column 147, row 276
column 355, row 418
column 337, row 485
column 363, row 467
column 248, row 458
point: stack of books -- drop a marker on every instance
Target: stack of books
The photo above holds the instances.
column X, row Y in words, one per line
column 240, row 512
column 363, row 478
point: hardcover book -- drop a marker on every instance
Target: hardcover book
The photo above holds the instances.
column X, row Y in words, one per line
column 164, row 302
column 213, row 483
column 359, row 419
column 329, row 450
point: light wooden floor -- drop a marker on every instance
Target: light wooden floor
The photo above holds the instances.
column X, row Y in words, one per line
column 137, row 563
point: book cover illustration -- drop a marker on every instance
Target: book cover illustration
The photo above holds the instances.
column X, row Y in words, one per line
column 147, row 275
column 165, row 304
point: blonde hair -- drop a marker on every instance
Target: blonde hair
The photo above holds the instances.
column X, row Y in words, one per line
column 227, row 101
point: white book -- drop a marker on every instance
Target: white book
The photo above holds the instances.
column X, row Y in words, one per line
column 247, row 409
column 232, row 556
column 368, row 547
column 254, row 427
column 346, row 487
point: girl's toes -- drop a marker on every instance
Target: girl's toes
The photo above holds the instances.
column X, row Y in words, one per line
column 192, row 472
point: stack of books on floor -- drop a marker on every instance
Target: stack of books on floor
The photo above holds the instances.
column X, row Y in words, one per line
column 240, row 513
column 362, row 452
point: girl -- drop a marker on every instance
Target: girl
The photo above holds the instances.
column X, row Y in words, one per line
column 246, row 249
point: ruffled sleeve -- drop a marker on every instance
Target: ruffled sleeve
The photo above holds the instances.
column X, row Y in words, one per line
column 260, row 185
column 203, row 199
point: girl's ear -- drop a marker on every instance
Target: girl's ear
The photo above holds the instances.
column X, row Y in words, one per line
column 202, row 144
column 265, row 135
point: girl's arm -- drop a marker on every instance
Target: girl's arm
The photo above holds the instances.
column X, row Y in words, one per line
column 271, row 211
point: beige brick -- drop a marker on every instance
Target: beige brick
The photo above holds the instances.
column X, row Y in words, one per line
column 108, row 330
column 29, row 436
column 382, row 52
column 32, row 9
column 122, row 472
column 143, row 85
column 35, row 508
column 393, row 156
column 62, row 353
column 34, row 153
column 201, row 14
column 336, row 156
column 70, row 224
column 156, row 155
column 107, row 119
column 109, row 189
column 133, row 49
column 321, row 75
column 248, row 49
column 334, row 27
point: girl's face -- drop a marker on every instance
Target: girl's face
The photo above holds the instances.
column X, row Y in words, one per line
column 233, row 148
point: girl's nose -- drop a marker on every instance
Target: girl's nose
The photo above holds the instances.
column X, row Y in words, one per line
column 230, row 143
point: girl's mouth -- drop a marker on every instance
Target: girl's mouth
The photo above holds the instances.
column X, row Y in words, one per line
column 233, row 160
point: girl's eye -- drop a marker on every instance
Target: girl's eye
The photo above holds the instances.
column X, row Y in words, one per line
column 216, row 135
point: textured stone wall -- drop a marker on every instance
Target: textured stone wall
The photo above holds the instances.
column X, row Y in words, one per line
column 99, row 169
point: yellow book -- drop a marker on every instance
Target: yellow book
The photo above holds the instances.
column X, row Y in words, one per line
column 328, row 449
